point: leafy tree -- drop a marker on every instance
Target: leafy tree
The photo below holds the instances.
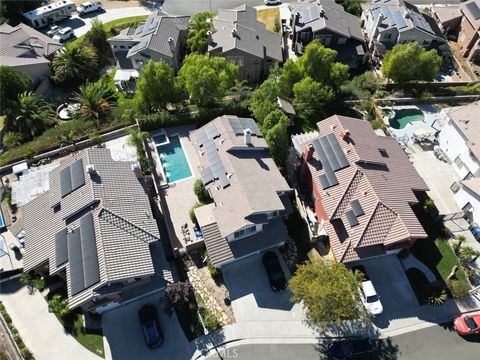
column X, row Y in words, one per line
column 310, row 97
column 202, row 194
column 97, row 37
column 13, row 82
column 155, row 87
column 264, row 100
column 74, row 64
column 278, row 140
column 96, row 100
column 209, row 319
column 12, row 139
column 67, row 139
column 179, row 294
column 277, row 26
column 459, row 289
column 353, row 7
column 273, row 119
column 11, row 11
column 58, row 305
column 362, row 85
column 96, row 139
column 291, row 74
column 207, row 79
column 191, row 212
column 200, row 24
column 241, row 89
column 136, row 138
column 30, row 115
column 329, row 292
column 410, row 62
column 317, row 62
column 338, row 74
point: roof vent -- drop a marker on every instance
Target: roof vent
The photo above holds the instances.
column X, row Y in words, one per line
column 229, row 175
column 322, row 13
column 137, row 170
column 234, row 32
column 345, row 134
column 247, row 135
column 90, row 168
column 171, row 43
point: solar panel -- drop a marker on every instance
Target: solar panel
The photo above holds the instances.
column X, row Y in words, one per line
column 474, row 10
column 357, row 208
column 212, row 132
column 399, row 20
column 77, row 174
column 352, row 219
column 207, row 176
column 223, row 180
column 202, row 138
column 89, row 251
column 324, row 182
column 341, row 160
column 65, row 181
column 61, row 253
column 332, row 158
column 75, row 262
column 240, row 124
column 216, row 170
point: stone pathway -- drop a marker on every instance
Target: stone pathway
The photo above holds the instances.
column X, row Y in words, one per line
column 199, row 283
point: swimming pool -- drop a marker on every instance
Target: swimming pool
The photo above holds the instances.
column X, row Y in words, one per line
column 173, row 159
column 2, row 222
column 403, row 117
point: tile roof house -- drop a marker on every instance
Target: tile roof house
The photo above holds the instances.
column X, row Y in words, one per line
column 459, row 139
column 27, row 49
column 327, row 22
column 390, row 22
column 243, row 40
column 361, row 187
column 463, row 21
column 95, row 228
column 249, row 192
column 161, row 37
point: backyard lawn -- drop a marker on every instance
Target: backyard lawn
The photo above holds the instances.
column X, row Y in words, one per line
column 268, row 16
column 448, row 260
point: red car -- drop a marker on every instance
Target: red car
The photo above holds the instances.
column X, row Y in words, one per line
column 467, row 324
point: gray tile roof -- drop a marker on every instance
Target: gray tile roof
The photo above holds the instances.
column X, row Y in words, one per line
column 123, row 221
column 250, row 35
column 254, row 180
column 22, row 45
column 335, row 18
column 383, row 186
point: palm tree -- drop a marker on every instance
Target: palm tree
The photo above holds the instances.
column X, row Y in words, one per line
column 200, row 24
column 74, row 64
column 97, row 101
column 30, row 115
column 67, row 139
column 136, row 138
column 241, row 89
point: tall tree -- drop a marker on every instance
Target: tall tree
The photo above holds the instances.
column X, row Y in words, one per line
column 329, row 292
column 30, row 115
column 207, row 79
column 278, row 140
column 410, row 62
column 74, row 64
column 272, row 119
column 317, row 62
column 291, row 73
column 201, row 192
column 96, row 99
column 155, row 87
column 362, row 85
column 97, row 38
column 200, row 24
column 310, row 97
column 13, row 82
column 264, row 100
column 353, row 7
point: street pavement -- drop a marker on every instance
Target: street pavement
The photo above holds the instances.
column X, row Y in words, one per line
column 434, row 343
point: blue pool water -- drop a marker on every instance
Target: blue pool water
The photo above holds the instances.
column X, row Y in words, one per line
column 173, row 160
column 159, row 139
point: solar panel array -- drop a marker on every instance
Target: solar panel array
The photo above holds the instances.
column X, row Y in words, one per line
column 420, row 22
column 352, row 219
column 82, row 256
column 215, row 170
column 61, row 253
column 332, row 158
column 240, row 124
column 71, row 178
column 399, row 20
column 309, row 14
column 357, row 208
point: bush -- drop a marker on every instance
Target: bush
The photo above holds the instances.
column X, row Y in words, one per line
column 202, row 194
column 214, row 272
column 25, row 353
column 191, row 212
column 425, row 97
column 7, row 318
column 16, row 337
column 39, row 283
column 209, row 319
column 459, row 289
column 179, row 294
column 436, row 294
column 58, row 305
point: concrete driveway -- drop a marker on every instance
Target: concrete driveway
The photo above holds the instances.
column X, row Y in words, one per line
column 124, row 340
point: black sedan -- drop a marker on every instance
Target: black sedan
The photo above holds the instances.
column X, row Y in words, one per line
column 274, row 271
column 150, row 326
column 351, row 349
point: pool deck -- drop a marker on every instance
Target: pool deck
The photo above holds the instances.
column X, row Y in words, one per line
column 430, row 113
column 177, row 198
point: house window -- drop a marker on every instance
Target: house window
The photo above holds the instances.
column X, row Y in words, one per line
column 383, row 152
column 239, row 233
column 246, row 231
column 236, row 60
column 342, row 41
column 459, row 162
column 272, row 214
column 455, row 187
column 323, row 39
column 468, row 176
column 122, row 47
column 250, row 229
column 387, row 36
column 426, row 42
column 139, row 62
column 467, row 208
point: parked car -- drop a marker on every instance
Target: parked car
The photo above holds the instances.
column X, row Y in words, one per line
column 274, row 271
column 150, row 326
column 272, row 2
column 370, row 299
column 467, row 324
column 53, row 29
column 63, row 34
column 351, row 349
column 88, row 7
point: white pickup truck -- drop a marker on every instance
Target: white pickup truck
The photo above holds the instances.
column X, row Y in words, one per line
column 88, row 7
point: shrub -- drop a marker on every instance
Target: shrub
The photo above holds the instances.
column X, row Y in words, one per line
column 7, row 318
column 209, row 319
column 2, row 307
column 179, row 294
column 25, row 353
column 214, row 272
column 202, row 194
column 39, row 283
column 191, row 212
column 16, row 337
column 459, row 289
column 436, row 294
column 58, row 305
column 425, row 97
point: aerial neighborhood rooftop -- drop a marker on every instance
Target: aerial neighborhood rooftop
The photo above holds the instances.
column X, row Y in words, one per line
column 202, row 180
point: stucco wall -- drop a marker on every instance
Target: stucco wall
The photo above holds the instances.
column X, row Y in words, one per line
column 464, row 196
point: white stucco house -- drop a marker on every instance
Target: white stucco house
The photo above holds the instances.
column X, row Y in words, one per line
column 468, row 199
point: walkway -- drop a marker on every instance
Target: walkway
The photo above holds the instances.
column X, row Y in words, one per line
column 40, row 330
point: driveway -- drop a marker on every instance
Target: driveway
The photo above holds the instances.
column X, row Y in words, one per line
column 124, row 340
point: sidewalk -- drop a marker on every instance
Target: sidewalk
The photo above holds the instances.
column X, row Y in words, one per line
column 40, row 330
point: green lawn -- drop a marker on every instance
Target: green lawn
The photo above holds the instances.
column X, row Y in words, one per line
column 448, row 260
column 118, row 24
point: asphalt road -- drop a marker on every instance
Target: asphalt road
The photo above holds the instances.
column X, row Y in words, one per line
column 433, row 343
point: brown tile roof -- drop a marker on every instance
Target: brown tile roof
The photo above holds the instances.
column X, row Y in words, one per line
column 383, row 186
column 467, row 120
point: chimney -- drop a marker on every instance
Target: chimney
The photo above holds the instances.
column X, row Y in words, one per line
column 171, row 43
column 90, row 169
column 345, row 134
column 137, row 170
column 309, row 152
column 210, row 37
column 322, row 13
column 234, row 32
column 247, row 135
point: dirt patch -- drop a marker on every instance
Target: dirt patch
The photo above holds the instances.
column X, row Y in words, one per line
column 268, row 16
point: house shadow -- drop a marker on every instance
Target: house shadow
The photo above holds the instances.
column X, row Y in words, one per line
column 209, row 344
